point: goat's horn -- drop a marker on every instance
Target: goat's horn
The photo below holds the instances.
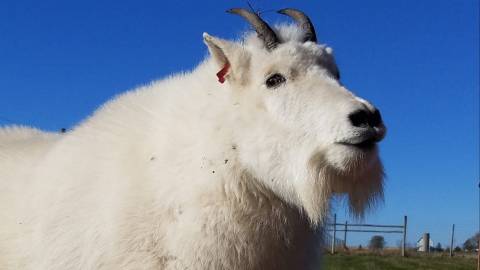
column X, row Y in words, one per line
column 303, row 21
column 264, row 31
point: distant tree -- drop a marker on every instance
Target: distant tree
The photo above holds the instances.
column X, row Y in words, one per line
column 377, row 242
column 457, row 249
column 471, row 243
column 360, row 247
column 438, row 247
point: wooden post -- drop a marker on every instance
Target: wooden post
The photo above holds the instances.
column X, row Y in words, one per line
column 404, row 243
column 426, row 242
column 451, row 240
column 334, row 233
column 345, row 236
column 478, row 255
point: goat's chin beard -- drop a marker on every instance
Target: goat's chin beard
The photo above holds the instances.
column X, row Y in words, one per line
column 362, row 182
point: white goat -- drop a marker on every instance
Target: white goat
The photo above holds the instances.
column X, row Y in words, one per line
column 190, row 173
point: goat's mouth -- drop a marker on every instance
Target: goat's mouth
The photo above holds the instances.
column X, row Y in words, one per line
column 366, row 141
column 367, row 144
column 362, row 143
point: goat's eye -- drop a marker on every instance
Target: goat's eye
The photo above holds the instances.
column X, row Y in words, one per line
column 275, row 80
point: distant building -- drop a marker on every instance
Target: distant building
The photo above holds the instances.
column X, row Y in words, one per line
column 420, row 245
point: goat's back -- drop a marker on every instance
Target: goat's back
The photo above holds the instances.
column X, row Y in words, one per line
column 21, row 149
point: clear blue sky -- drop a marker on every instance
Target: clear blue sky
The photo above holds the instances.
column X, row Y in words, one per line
column 416, row 60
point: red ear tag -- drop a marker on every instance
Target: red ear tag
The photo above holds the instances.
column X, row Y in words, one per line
column 221, row 74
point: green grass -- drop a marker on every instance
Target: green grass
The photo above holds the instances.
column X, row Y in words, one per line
column 393, row 262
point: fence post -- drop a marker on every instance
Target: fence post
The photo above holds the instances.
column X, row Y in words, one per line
column 345, row 236
column 478, row 255
column 451, row 240
column 334, row 232
column 404, row 243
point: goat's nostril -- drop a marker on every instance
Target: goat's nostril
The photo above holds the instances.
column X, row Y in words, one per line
column 359, row 118
column 376, row 119
column 365, row 118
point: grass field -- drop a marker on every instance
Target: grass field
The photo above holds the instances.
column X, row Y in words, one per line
column 394, row 262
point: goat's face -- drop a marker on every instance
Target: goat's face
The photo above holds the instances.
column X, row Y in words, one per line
column 301, row 132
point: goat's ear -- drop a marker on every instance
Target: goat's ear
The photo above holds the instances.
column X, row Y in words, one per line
column 232, row 59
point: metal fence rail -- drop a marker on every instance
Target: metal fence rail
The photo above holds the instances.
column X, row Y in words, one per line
column 369, row 228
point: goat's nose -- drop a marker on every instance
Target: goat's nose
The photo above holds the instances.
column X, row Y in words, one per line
column 365, row 118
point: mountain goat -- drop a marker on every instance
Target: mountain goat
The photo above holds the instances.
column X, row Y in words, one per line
column 194, row 173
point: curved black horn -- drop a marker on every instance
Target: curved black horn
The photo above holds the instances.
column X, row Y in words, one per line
column 264, row 31
column 303, row 21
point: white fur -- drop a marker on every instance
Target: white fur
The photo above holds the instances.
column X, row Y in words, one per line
column 188, row 173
